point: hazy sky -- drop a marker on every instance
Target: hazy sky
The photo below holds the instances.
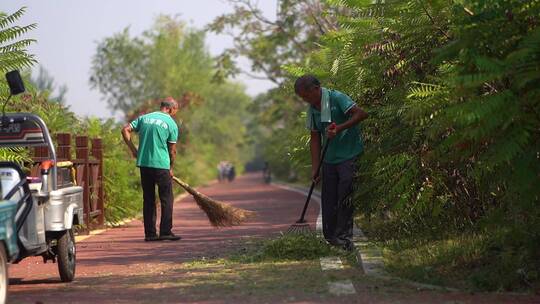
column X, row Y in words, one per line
column 68, row 31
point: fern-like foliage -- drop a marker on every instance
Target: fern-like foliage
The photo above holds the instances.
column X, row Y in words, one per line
column 13, row 54
column 17, row 155
column 453, row 92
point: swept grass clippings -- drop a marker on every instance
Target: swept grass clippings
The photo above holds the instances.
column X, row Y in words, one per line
column 289, row 247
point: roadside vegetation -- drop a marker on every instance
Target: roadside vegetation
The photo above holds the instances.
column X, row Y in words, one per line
column 448, row 184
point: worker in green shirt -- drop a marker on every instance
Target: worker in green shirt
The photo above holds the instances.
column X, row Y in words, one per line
column 333, row 116
column 158, row 133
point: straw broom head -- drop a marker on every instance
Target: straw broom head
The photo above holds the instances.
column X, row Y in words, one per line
column 219, row 214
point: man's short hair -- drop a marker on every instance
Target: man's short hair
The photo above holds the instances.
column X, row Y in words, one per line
column 168, row 103
column 306, row 82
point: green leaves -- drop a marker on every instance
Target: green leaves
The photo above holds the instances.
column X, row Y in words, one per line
column 171, row 59
column 453, row 92
column 17, row 155
column 13, row 54
column 119, row 71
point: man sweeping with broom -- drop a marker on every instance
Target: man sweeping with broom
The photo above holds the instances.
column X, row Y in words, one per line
column 158, row 134
column 335, row 116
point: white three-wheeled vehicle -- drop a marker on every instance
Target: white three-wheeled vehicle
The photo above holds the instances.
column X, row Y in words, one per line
column 48, row 205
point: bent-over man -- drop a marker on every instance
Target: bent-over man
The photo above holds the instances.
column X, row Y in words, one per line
column 332, row 116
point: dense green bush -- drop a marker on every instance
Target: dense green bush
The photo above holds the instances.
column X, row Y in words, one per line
column 452, row 141
column 123, row 199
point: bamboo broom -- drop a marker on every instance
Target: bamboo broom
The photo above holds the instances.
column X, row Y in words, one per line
column 219, row 214
column 301, row 226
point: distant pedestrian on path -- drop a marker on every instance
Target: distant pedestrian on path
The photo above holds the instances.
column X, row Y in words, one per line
column 326, row 107
column 231, row 172
column 221, row 167
column 158, row 133
column 267, row 174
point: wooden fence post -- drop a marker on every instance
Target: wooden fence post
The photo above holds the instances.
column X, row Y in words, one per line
column 97, row 153
column 82, row 155
column 64, row 146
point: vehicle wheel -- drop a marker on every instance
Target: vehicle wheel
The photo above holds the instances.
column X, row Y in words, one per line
column 66, row 256
column 4, row 280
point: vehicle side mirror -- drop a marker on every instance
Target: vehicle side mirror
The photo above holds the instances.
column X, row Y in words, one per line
column 16, row 86
column 15, row 83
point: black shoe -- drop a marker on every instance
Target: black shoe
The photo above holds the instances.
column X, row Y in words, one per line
column 336, row 242
column 170, row 237
column 151, row 238
column 349, row 246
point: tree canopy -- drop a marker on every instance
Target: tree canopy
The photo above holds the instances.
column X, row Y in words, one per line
column 171, row 59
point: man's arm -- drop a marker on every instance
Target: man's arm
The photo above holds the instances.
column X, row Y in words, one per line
column 126, row 134
column 357, row 115
column 172, row 155
column 315, row 147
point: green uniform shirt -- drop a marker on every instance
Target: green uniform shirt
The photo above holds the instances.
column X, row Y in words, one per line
column 155, row 130
column 348, row 143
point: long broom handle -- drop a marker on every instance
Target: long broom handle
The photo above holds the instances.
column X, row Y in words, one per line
column 185, row 185
column 301, row 220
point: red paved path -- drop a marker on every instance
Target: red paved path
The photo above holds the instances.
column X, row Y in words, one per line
column 119, row 267
column 122, row 251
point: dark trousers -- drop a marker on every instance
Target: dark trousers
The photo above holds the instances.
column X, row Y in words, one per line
column 337, row 207
column 150, row 177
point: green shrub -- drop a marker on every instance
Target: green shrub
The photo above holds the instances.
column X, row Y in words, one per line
column 452, row 89
column 121, row 176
